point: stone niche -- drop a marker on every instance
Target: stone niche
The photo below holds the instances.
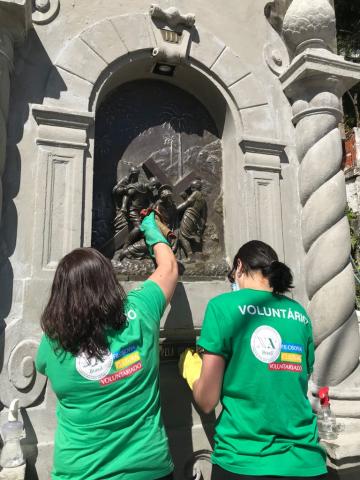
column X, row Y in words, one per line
column 156, row 146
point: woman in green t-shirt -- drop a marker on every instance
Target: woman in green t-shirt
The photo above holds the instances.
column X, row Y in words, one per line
column 258, row 353
column 100, row 351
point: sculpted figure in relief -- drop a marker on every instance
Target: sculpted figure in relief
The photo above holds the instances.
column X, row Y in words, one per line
column 193, row 221
column 183, row 225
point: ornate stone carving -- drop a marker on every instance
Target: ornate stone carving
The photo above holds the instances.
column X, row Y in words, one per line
column 275, row 12
column 275, row 51
column 45, row 11
column 314, row 83
column 172, row 17
column 309, row 24
column 24, row 382
column 172, row 33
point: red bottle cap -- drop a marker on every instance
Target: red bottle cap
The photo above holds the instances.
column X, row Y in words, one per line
column 324, row 396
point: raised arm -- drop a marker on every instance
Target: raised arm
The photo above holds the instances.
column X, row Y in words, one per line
column 166, row 272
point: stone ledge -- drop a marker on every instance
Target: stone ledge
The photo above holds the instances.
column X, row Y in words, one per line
column 344, row 452
column 16, row 473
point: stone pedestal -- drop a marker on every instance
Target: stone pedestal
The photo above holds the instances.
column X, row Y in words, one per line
column 16, row 473
column 344, row 452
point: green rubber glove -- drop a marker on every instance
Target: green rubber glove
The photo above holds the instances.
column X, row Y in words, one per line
column 152, row 233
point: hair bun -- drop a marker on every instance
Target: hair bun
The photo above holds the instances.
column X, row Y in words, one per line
column 279, row 276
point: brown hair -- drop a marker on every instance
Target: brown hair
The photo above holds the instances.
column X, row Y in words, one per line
column 85, row 301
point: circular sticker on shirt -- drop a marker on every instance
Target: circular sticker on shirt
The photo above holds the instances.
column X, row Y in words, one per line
column 266, row 344
column 92, row 368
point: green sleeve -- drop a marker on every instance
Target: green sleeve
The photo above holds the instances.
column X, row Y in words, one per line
column 148, row 298
column 42, row 355
column 212, row 338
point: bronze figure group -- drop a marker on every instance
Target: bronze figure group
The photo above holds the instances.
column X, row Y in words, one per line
column 182, row 224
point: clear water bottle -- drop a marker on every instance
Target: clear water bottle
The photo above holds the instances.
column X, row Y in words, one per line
column 326, row 419
column 12, row 432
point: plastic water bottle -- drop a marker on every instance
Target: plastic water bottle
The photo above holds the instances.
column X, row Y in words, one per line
column 12, row 432
column 326, row 418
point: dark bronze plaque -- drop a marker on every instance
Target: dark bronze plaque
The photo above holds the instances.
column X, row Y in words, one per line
column 157, row 147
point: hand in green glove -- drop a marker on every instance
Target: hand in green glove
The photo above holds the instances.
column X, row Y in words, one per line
column 190, row 364
column 152, row 233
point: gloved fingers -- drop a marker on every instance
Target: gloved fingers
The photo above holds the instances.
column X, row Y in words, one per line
column 145, row 212
column 190, row 364
column 183, row 356
column 148, row 221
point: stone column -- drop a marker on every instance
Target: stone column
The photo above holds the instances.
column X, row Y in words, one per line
column 314, row 83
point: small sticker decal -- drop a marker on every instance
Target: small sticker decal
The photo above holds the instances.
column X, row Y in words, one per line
column 128, row 360
column 124, row 351
column 266, row 344
column 92, row 368
column 291, row 357
column 127, row 372
column 290, row 367
column 292, row 348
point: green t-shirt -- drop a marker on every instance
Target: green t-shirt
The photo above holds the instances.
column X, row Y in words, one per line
column 109, row 422
column 266, row 426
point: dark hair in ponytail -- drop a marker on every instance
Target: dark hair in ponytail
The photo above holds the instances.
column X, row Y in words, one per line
column 257, row 255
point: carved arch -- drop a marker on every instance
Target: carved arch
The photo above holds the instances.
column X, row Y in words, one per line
column 90, row 55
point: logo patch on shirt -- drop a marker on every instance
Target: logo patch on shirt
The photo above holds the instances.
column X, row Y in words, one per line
column 292, row 348
column 290, row 357
column 127, row 372
column 266, row 344
column 92, row 368
column 127, row 360
column 124, row 351
column 290, row 367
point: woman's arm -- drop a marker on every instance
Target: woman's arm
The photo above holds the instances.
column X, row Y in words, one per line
column 207, row 388
column 166, row 272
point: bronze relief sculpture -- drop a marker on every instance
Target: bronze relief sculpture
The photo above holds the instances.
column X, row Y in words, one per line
column 183, row 225
column 157, row 147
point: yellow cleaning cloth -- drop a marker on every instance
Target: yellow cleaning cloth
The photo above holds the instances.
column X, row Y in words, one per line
column 190, row 366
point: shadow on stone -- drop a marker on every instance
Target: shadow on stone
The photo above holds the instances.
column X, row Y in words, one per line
column 29, row 446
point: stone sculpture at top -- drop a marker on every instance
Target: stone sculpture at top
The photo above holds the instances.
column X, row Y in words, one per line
column 172, row 33
column 309, row 24
column 172, row 17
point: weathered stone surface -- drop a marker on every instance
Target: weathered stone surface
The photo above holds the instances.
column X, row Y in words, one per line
column 248, row 92
column 134, row 31
column 78, row 58
column 16, row 473
column 104, row 39
column 206, row 48
column 229, row 67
